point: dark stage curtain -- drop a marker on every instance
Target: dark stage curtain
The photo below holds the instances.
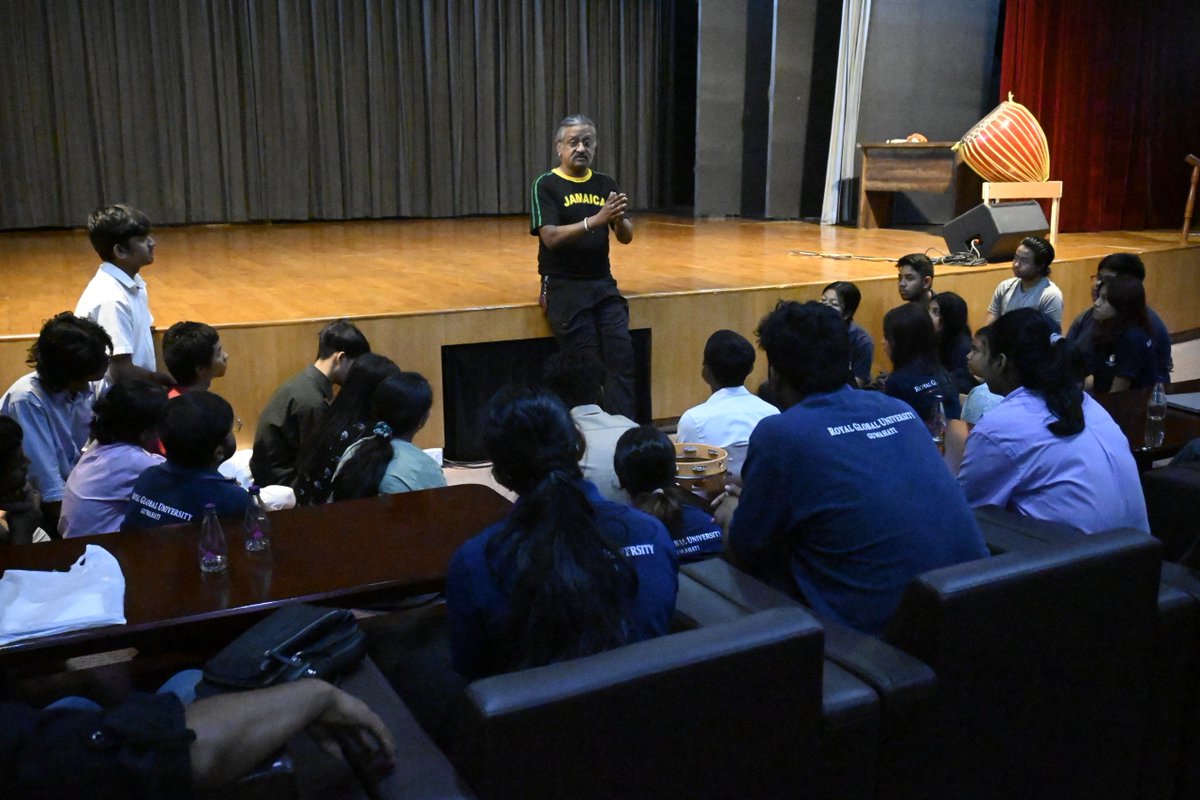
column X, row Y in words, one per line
column 1116, row 86
column 234, row 110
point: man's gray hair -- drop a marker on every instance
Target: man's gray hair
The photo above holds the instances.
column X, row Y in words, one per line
column 570, row 121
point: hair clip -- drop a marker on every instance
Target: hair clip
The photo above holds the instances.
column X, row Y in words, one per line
column 382, row 429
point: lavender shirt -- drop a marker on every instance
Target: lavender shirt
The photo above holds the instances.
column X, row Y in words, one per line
column 98, row 489
column 1088, row 481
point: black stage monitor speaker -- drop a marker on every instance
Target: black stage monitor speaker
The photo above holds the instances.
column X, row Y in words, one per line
column 996, row 229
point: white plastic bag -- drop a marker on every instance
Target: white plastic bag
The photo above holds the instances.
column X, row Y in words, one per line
column 35, row 603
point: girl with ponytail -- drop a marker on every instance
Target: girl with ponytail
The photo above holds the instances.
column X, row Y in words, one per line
column 386, row 461
column 645, row 465
column 567, row 573
column 1048, row 451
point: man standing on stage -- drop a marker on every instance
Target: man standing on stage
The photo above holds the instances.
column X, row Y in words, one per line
column 573, row 209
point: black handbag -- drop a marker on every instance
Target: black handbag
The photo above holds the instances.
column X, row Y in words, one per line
column 297, row 641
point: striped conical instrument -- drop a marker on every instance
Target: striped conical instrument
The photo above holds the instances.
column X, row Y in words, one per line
column 1007, row 145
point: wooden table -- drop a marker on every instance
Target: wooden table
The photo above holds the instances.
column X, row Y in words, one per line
column 341, row 553
column 911, row 167
column 1128, row 409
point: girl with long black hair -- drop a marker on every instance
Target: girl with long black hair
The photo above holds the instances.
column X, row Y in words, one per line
column 567, row 573
column 386, row 461
column 1048, row 450
column 1121, row 352
column 346, row 423
column 948, row 312
column 917, row 378
column 645, row 465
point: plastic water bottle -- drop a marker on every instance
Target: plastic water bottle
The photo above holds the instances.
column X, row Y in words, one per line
column 937, row 424
column 1156, row 409
column 258, row 526
column 214, row 553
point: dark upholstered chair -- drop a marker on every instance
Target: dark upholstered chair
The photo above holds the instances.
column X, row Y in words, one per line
column 732, row 710
column 905, row 686
column 1043, row 660
column 850, row 709
column 1170, row 762
column 1173, row 506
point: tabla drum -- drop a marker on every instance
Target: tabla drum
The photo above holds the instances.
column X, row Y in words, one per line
column 701, row 468
column 1007, row 145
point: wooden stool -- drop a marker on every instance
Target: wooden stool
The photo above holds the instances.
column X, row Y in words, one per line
column 1191, row 201
column 1022, row 190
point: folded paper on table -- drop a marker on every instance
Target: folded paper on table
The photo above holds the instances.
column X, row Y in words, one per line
column 36, row 603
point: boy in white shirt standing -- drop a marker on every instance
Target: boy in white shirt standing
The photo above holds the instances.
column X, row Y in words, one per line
column 116, row 298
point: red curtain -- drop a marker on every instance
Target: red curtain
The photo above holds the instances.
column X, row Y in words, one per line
column 1116, row 87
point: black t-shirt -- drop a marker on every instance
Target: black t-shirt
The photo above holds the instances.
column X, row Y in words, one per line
column 559, row 200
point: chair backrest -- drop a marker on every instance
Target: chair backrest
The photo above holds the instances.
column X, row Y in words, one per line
column 721, row 711
column 1044, row 659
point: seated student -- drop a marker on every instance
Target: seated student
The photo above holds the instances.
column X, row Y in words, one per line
column 299, row 405
column 1030, row 286
column 1049, row 451
column 345, row 423
column 979, row 360
column 196, row 430
column 727, row 418
column 125, row 444
column 844, row 297
column 53, row 404
column 386, row 461
column 844, row 498
column 917, row 378
column 953, row 336
column 116, row 297
column 1120, row 354
column 154, row 746
column 578, row 380
column 194, row 355
column 20, row 508
column 645, row 465
column 567, row 573
column 916, row 279
column 1083, row 328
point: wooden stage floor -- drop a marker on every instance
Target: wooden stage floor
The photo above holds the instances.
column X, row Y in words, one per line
column 417, row 285
column 255, row 274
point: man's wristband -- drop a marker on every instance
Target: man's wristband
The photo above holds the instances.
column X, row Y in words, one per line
column 586, row 229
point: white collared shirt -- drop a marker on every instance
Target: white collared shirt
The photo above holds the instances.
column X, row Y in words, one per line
column 726, row 418
column 120, row 304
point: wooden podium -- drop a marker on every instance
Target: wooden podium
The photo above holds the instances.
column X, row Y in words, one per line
column 911, row 167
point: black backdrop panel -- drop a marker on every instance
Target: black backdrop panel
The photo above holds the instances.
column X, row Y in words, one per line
column 472, row 373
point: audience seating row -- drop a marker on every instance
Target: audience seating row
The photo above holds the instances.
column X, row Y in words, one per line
column 1065, row 666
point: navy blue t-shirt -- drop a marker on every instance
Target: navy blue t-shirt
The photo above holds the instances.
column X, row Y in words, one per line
column 918, row 383
column 699, row 536
column 847, row 492
column 478, row 607
column 168, row 494
column 1130, row 356
column 1084, row 326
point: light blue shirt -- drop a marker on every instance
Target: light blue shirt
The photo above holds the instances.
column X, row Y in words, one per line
column 410, row 469
column 1088, row 481
column 55, row 425
column 99, row 488
column 980, row 401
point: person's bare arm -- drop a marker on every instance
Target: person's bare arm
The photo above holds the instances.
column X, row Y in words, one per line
column 956, row 443
column 22, row 516
column 1120, row 384
column 122, row 366
column 236, row 732
column 613, row 210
